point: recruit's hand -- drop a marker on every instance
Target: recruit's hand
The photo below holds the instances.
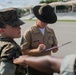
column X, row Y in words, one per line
column 20, row 60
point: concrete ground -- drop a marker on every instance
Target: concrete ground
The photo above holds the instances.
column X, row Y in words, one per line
column 65, row 32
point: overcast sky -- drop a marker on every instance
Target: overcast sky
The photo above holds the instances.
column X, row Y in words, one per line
column 17, row 3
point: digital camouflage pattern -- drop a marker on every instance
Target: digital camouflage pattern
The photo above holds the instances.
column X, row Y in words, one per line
column 10, row 16
column 9, row 50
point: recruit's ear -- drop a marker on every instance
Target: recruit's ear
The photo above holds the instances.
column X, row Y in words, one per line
column 1, row 30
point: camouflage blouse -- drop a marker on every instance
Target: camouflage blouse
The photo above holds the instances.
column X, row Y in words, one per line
column 9, row 50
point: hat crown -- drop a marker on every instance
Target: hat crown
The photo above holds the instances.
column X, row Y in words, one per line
column 8, row 15
column 45, row 11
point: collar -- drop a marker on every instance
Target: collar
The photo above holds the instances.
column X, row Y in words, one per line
column 5, row 39
column 36, row 29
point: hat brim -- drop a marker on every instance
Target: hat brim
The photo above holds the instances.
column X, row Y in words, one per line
column 52, row 19
column 17, row 22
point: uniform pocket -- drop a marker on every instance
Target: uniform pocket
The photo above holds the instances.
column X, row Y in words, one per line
column 50, row 41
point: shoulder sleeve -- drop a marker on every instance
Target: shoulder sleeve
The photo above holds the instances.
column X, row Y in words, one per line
column 26, row 39
column 8, row 52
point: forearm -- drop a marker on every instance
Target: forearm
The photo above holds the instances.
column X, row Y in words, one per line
column 30, row 52
column 42, row 63
column 45, row 63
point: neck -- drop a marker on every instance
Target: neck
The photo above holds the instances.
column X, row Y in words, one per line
column 41, row 24
column 6, row 37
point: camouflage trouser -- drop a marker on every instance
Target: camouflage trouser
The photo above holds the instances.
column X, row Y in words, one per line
column 7, row 68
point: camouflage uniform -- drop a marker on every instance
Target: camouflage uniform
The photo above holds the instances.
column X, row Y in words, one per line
column 10, row 50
